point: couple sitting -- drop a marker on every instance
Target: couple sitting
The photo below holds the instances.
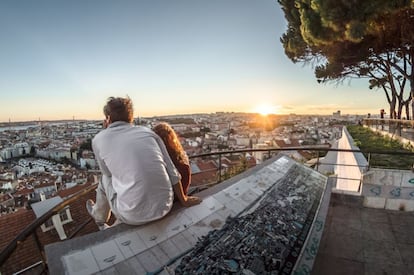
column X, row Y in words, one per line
column 141, row 169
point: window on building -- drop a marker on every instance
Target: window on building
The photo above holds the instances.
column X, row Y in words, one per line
column 65, row 217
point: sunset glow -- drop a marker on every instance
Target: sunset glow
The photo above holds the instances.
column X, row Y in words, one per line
column 265, row 109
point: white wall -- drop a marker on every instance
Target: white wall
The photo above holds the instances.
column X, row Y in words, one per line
column 349, row 176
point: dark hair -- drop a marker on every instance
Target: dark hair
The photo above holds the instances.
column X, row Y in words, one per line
column 119, row 109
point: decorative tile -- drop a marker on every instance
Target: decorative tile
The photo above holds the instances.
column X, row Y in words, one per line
column 246, row 183
column 130, row 244
column 259, row 190
column 109, row 271
column 125, row 268
column 149, row 261
column 182, row 242
column 235, row 205
column 222, row 196
column 170, row 249
column 226, row 212
column 407, row 179
column 107, row 254
column 204, row 209
column 249, row 197
column 152, row 234
column 236, row 189
column 81, row 262
column 161, row 256
column 203, row 227
column 199, row 230
column 176, row 223
column 135, row 265
column 189, row 236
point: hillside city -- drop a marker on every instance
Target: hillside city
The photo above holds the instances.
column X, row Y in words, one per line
column 46, row 159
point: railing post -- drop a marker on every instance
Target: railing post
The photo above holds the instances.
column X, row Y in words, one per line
column 369, row 160
column 219, row 155
column 317, row 163
column 39, row 246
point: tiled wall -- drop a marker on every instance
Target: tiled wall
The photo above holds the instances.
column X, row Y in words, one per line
column 389, row 189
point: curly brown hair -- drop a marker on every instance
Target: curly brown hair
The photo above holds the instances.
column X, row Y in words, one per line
column 119, row 109
column 170, row 139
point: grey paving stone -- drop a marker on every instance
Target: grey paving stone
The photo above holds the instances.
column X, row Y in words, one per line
column 381, row 252
column 386, row 268
column 403, row 234
column 351, row 228
column 345, row 247
column 378, row 232
column 326, row 264
column 407, row 255
column 346, row 214
column 371, row 215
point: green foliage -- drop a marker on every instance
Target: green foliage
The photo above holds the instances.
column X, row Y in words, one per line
column 372, row 141
column 236, row 169
column 353, row 39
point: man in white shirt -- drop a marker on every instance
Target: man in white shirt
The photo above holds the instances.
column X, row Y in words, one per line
column 138, row 177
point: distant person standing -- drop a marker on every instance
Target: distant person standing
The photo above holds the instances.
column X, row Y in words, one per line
column 176, row 152
column 382, row 113
column 138, row 177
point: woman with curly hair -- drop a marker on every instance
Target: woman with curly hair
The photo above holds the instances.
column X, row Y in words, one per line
column 176, row 152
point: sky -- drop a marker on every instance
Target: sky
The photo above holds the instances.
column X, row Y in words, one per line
column 63, row 59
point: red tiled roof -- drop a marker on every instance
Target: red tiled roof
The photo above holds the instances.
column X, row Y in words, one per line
column 24, row 191
column 206, row 165
column 204, row 177
column 5, row 197
column 27, row 252
column 70, row 191
column 293, row 143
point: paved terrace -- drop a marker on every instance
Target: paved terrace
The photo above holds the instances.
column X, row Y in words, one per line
column 359, row 240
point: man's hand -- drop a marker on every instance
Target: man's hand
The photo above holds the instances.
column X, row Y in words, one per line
column 192, row 200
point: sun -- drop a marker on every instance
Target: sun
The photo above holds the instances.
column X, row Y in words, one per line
column 265, row 109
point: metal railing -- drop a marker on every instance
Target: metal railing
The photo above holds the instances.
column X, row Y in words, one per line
column 396, row 127
column 30, row 230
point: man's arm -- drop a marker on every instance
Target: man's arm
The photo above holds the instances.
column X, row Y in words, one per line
column 102, row 166
column 183, row 198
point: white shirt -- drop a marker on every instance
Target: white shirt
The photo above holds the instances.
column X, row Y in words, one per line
column 135, row 159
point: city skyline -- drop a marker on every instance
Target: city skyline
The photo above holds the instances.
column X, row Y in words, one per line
column 62, row 60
